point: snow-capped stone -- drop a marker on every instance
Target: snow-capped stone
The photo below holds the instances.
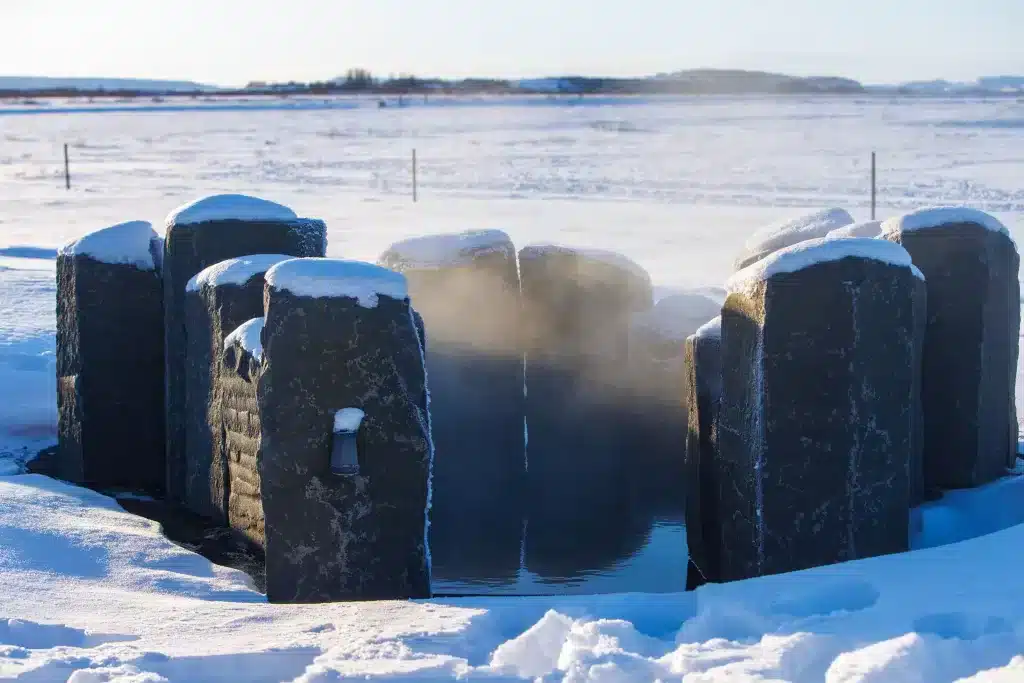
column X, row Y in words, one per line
column 348, row 419
column 774, row 237
column 236, row 271
column 438, row 251
column 133, row 243
column 863, row 229
column 329, row 278
column 247, row 335
column 229, row 207
column 712, row 329
column 934, row 217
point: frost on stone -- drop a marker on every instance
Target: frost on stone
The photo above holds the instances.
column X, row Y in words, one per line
column 812, row 252
column 348, row 419
column 248, row 337
column 774, row 237
column 235, row 271
column 922, row 219
column 134, row 243
column 439, row 251
column 229, row 207
column 863, row 229
column 324, row 277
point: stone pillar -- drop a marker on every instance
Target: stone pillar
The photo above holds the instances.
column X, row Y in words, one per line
column 110, row 359
column 818, row 413
column 199, row 235
column 971, row 342
column 810, row 226
column 217, row 301
column 704, row 393
column 340, row 336
column 466, row 287
column 578, row 307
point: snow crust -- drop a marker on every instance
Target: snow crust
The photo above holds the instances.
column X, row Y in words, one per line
column 325, row 277
column 822, row 250
column 711, row 329
column 863, row 229
column 235, row 271
column 348, row 419
column 229, row 207
column 133, row 243
column 809, row 226
column 248, row 337
column 922, row 219
column 438, row 251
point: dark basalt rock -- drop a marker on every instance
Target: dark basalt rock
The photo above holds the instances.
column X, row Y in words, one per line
column 331, row 537
column 971, row 347
column 818, row 414
column 110, row 371
column 190, row 248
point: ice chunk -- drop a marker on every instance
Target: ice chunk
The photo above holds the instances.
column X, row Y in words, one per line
column 923, row 219
column 438, row 251
column 774, row 237
column 348, row 419
column 864, row 229
column 811, row 252
column 235, row 271
column 133, row 243
column 325, row 277
column 229, row 207
column 711, row 329
column 248, row 337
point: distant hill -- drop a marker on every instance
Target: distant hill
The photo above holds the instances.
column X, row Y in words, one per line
column 34, row 83
column 695, row 81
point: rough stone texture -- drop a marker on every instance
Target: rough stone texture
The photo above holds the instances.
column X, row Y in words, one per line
column 237, row 378
column 577, row 314
column 189, row 249
column 211, row 313
column 471, row 314
column 332, row 537
column 109, row 374
column 703, row 362
column 817, row 418
column 970, row 350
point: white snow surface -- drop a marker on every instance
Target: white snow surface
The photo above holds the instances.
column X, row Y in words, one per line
column 822, row 250
column 862, row 229
column 133, row 243
column 235, row 271
column 933, row 217
column 712, row 329
column 805, row 227
column 228, row 207
column 327, row 277
column 450, row 249
column 248, row 337
column 348, row 419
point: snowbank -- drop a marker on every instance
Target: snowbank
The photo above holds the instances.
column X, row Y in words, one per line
column 822, row 250
column 865, row 229
column 236, row 271
column 324, row 277
column 229, row 207
column 922, row 219
column 134, row 243
column 248, row 337
column 793, row 231
column 438, row 251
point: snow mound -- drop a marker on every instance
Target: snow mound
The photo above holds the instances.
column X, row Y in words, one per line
column 610, row 258
column 864, row 229
column 922, row 219
column 133, row 243
column 796, row 230
column 248, row 337
column 325, row 277
column 229, row 207
column 822, row 250
column 348, row 419
column 677, row 316
column 438, row 251
column 235, row 271
column 711, row 329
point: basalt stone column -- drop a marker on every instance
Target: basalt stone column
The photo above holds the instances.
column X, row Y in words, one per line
column 340, row 339
column 578, row 307
column 217, row 301
column 971, row 343
column 466, row 287
column 817, row 417
column 235, row 384
column 704, row 392
column 200, row 235
column 110, row 359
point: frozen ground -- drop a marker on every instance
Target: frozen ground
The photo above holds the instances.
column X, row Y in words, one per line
column 678, row 187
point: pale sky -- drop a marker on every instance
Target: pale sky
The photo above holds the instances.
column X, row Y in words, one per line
column 230, row 42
